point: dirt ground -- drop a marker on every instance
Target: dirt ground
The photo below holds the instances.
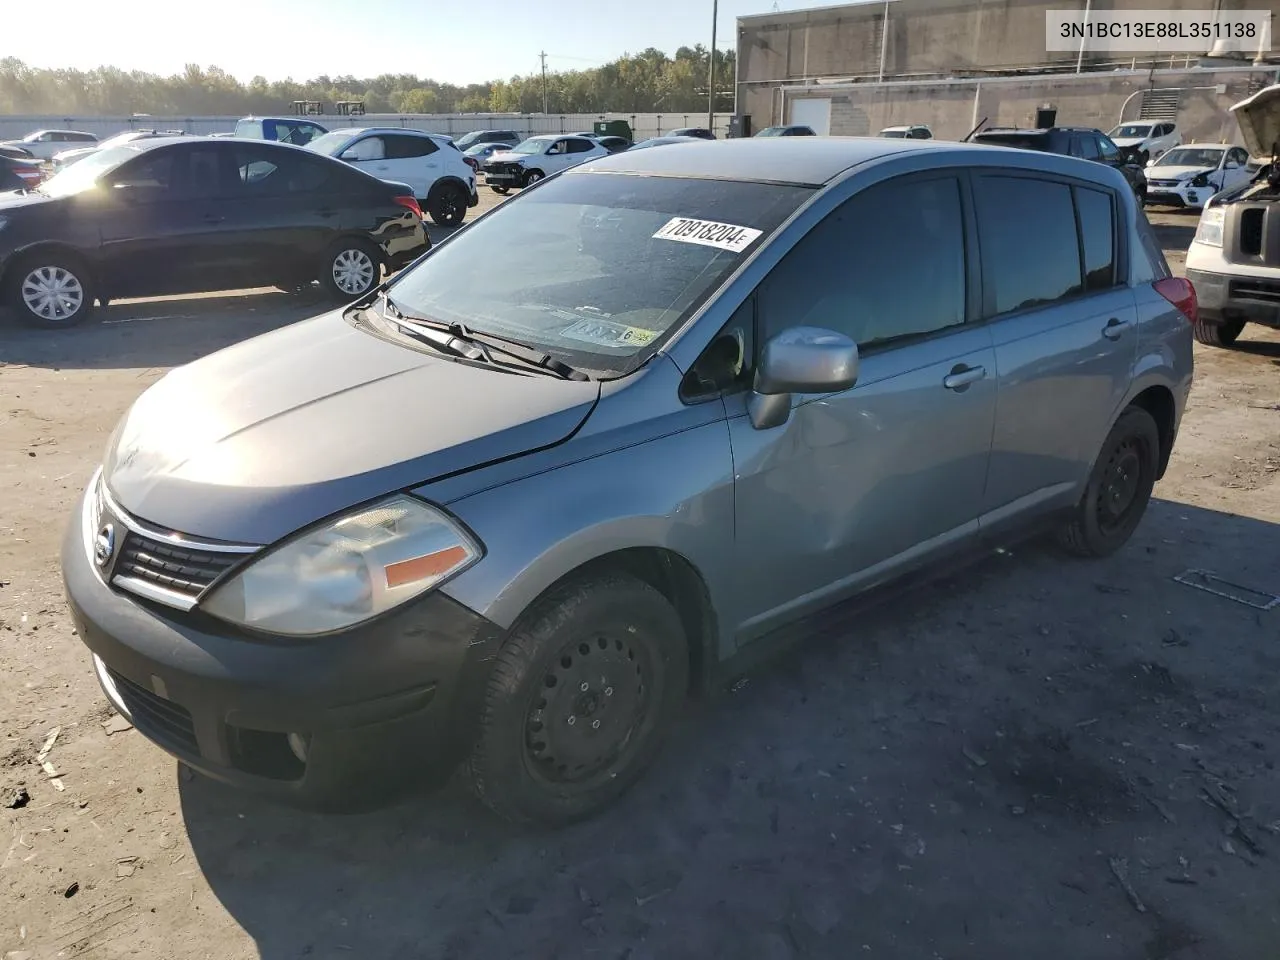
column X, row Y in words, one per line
column 1039, row 757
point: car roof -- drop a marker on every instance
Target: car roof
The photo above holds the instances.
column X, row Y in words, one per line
column 361, row 131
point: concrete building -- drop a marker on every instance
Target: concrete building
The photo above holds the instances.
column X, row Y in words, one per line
column 853, row 70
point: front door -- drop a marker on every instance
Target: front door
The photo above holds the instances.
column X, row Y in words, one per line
column 857, row 486
column 1064, row 326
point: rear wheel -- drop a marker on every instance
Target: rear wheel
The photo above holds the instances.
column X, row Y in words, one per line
column 1119, row 487
column 1217, row 334
column 350, row 269
column 579, row 700
column 51, row 290
column 499, row 189
column 448, row 205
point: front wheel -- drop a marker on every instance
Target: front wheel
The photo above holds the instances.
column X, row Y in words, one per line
column 51, row 290
column 1217, row 334
column 499, row 189
column 532, row 177
column 580, row 698
column 350, row 269
column 449, row 205
column 1119, row 487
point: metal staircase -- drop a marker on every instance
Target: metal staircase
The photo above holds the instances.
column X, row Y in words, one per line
column 1160, row 105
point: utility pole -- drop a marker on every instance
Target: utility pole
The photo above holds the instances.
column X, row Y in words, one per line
column 543, row 55
column 711, row 72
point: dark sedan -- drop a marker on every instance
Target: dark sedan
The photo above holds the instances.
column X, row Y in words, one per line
column 16, row 174
column 189, row 214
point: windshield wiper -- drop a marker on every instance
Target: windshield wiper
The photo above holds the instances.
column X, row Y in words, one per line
column 482, row 346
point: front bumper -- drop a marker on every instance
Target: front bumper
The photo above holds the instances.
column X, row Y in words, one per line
column 381, row 708
column 1178, row 194
column 1226, row 297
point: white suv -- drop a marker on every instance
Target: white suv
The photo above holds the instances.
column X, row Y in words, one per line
column 1234, row 261
column 528, row 162
column 428, row 163
column 1149, row 139
column 43, row 144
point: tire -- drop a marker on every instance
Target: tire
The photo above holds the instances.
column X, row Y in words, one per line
column 448, row 206
column 351, row 268
column 502, row 190
column 532, row 177
column 1119, row 488
column 1217, row 334
column 528, row 763
column 52, row 291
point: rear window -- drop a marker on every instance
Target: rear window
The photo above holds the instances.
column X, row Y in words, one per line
column 1024, row 141
column 251, row 129
column 597, row 269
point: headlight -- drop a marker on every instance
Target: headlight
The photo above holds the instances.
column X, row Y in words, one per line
column 347, row 571
column 1209, row 231
column 1200, row 180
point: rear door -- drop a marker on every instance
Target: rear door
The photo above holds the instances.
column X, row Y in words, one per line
column 1063, row 325
column 410, row 159
column 557, row 156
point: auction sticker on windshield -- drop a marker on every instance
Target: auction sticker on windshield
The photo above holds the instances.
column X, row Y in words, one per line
column 605, row 333
column 708, row 233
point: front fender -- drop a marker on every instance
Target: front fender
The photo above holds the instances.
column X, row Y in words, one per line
column 673, row 492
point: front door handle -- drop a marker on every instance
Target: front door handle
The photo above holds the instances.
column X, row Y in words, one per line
column 961, row 376
column 1114, row 328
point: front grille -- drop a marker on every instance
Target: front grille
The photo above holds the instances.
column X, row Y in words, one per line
column 1254, row 289
column 181, row 569
column 162, row 720
column 1251, row 231
column 1162, row 183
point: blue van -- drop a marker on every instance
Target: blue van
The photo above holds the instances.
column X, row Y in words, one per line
column 283, row 129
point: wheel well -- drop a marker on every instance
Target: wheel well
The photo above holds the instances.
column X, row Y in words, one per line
column 679, row 581
column 43, row 248
column 445, row 182
column 1158, row 401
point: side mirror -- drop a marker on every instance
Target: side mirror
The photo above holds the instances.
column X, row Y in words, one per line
column 127, row 192
column 349, row 155
column 800, row 360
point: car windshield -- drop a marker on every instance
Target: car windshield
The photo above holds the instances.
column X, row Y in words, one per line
column 468, row 139
column 478, row 148
column 1190, row 157
column 771, row 132
column 1024, row 141
column 893, row 133
column 85, row 173
column 1130, row 130
column 597, row 269
column 330, row 143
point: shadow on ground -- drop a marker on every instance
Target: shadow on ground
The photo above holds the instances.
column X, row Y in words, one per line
column 950, row 777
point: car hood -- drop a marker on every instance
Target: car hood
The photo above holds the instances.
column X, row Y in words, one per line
column 507, row 156
column 1130, row 141
column 255, row 441
column 75, row 154
column 1258, row 117
column 1170, row 172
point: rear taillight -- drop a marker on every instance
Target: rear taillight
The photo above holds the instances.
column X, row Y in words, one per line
column 1179, row 292
column 410, row 204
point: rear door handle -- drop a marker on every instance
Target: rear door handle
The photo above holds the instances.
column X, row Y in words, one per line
column 961, row 376
column 1114, row 328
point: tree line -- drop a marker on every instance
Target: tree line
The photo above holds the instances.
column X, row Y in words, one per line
column 646, row 82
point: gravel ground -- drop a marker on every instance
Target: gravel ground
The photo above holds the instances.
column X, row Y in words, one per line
column 1038, row 757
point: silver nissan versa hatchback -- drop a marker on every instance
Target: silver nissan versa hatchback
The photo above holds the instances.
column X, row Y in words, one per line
column 511, row 518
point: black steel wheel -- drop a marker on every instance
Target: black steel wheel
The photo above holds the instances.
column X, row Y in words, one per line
column 448, row 205
column 580, row 698
column 1119, row 487
column 500, row 189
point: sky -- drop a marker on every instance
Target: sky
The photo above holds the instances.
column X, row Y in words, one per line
column 454, row 42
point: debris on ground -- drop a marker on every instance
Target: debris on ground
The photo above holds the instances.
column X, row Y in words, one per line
column 42, row 759
column 117, row 724
column 125, row 867
column 973, row 758
column 1120, row 867
column 48, row 744
column 72, row 890
column 17, row 798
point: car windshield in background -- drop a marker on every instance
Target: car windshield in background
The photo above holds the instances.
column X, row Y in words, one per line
column 1131, row 131
column 329, row 143
column 127, row 137
column 468, row 140
column 771, row 132
column 478, row 148
column 894, row 133
column 1023, row 141
column 597, row 269
column 85, row 173
column 1190, row 158
column 529, row 146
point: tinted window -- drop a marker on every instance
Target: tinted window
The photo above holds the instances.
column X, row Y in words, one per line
column 1083, row 145
column 203, row 177
column 296, row 133
column 1025, row 141
column 1109, row 150
column 154, row 171
column 404, row 147
column 82, row 138
column 277, row 172
column 580, row 146
column 1097, row 238
column 901, row 277
column 1030, row 252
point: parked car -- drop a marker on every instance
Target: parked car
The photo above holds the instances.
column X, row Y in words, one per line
column 431, row 164
column 538, row 157
column 14, row 152
column 186, row 214
column 663, row 141
column 1233, row 261
column 1188, row 176
column 1146, row 139
column 292, row 130
column 18, row 174
column 467, row 140
column 789, row 130
column 68, row 157
column 701, row 133
column 1084, row 142
column 618, row 468
column 476, row 154
column 916, row 131
column 614, row 144
column 43, row 144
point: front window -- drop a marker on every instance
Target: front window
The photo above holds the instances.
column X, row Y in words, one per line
column 330, row 144
column 1130, row 131
column 597, row 270
column 1190, row 157
column 86, row 173
column 530, row 146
